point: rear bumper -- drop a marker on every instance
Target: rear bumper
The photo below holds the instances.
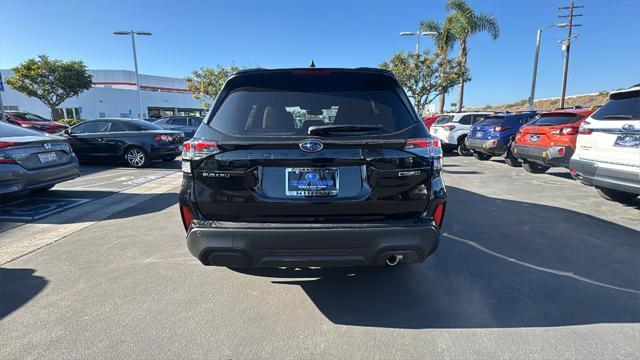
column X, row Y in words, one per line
column 591, row 174
column 545, row 155
column 308, row 245
column 158, row 152
column 492, row 147
column 14, row 178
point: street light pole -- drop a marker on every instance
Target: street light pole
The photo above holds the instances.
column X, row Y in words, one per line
column 135, row 62
column 418, row 34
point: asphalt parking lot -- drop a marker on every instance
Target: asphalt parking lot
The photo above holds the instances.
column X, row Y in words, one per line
column 528, row 266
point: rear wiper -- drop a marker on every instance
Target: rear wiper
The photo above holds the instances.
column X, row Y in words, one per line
column 328, row 129
column 619, row 117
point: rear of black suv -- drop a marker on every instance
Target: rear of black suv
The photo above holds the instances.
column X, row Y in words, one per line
column 312, row 167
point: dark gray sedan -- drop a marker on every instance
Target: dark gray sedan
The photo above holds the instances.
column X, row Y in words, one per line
column 31, row 160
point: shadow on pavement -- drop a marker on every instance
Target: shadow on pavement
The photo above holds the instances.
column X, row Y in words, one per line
column 17, row 287
column 501, row 263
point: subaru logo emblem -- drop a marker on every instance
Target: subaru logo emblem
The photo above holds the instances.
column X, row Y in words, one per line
column 312, row 176
column 311, row 146
column 47, row 146
column 628, row 127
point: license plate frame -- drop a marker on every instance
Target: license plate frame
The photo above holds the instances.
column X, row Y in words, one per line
column 627, row 141
column 48, row 157
column 312, row 182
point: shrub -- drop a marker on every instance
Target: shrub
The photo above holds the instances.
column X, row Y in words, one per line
column 69, row 122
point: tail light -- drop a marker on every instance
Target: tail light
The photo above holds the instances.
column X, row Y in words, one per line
column 561, row 151
column 186, row 216
column 198, row 149
column 565, row 131
column 501, row 128
column 584, row 131
column 438, row 214
column 164, row 137
column 6, row 144
column 5, row 159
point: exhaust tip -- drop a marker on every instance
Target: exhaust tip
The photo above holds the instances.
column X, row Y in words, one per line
column 393, row 260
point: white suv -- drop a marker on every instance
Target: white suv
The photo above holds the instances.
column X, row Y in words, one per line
column 452, row 129
column 608, row 148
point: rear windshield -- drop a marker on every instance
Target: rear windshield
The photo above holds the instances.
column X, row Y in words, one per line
column 255, row 111
column 141, row 125
column 555, row 119
column 621, row 106
column 443, row 119
column 28, row 117
column 491, row 121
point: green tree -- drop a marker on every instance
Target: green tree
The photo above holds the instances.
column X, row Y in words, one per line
column 49, row 80
column 421, row 75
column 207, row 82
column 445, row 40
column 465, row 22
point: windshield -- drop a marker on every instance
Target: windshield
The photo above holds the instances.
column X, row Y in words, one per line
column 621, row 106
column 263, row 112
column 443, row 119
column 555, row 119
column 29, row 117
column 491, row 121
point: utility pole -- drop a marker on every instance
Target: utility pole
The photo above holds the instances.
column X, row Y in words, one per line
column 566, row 44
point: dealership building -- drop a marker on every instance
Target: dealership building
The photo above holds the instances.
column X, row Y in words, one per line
column 114, row 94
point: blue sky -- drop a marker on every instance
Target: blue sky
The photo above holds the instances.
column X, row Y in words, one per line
column 191, row 34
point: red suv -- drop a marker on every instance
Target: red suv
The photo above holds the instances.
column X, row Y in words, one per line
column 549, row 140
column 34, row 122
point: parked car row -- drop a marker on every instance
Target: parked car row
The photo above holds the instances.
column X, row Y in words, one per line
column 601, row 148
column 33, row 160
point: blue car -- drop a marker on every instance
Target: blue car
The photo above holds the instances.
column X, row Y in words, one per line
column 493, row 136
column 185, row 124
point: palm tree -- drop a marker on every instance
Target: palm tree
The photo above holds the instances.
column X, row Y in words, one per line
column 464, row 23
column 445, row 40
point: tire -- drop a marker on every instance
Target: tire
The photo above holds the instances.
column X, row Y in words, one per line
column 43, row 189
column 535, row 168
column 136, row 157
column 512, row 161
column 481, row 156
column 462, row 148
column 616, row 195
column 169, row 158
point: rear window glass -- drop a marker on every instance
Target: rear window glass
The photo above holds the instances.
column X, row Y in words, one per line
column 29, row 117
column 621, row 106
column 555, row 119
column 491, row 120
column 443, row 119
column 141, row 125
column 262, row 112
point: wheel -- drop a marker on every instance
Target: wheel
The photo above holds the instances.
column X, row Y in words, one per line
column 511, row 160
column 43, row 189
column 617, row 195
column 462, row 148
column 481, row 156
column 535, row 168
column 169, row 158
column 136, row 157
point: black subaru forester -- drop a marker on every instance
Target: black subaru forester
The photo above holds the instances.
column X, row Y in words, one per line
column 312, row 167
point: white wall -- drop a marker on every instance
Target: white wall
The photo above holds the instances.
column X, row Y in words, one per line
column 111, row 101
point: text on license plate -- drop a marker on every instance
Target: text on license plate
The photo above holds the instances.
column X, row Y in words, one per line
column 48, row 157
column 311, row 181
column 627, row 141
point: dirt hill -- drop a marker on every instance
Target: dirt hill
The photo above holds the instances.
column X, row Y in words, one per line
column 585, row 101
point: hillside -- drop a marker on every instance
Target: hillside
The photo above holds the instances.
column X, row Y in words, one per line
column 586, row 101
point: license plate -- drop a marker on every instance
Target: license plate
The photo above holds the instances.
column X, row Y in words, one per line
column 48, row 157
column 534, row 138
column 627, row 141
column 311, row 182
column 479, row 134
